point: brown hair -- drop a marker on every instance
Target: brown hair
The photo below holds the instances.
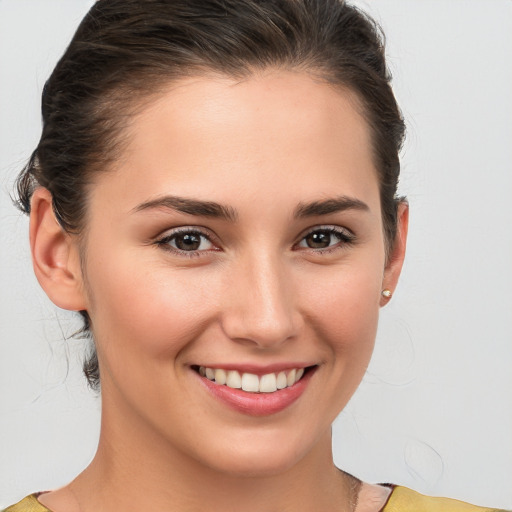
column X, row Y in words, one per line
column 125, row 51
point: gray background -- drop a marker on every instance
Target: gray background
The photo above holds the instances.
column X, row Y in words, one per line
column 435, row 409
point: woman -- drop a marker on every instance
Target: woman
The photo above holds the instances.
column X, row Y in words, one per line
column 224, row 217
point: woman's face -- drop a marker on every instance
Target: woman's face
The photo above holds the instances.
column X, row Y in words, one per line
column 241, row 232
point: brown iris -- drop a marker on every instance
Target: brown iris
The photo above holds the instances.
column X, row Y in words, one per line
column 187, row 241
column 318, row 239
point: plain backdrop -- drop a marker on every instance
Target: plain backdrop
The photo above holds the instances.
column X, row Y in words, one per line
column 435, row 409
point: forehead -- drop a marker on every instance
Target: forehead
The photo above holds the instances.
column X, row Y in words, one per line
column 217, row 138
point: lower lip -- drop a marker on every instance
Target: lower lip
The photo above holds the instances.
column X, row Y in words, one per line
column 257, row 404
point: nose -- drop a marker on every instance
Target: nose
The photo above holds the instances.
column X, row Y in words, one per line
column 261, row 309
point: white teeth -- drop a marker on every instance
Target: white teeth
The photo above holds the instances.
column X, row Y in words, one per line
column 268, row 383
column 234, row 380
column 281, row 381
column 251, row 383
column 220, row 376
column 291, row 378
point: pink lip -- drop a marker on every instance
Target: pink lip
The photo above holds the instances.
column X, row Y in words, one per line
column 257, row 404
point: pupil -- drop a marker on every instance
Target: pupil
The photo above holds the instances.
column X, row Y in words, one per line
column 318, row 240
column 188, row 242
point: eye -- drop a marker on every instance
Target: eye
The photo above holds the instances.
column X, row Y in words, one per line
column 187, row 240
column 326, row 238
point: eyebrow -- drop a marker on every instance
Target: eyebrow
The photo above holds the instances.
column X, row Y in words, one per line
column 190, row 207
column 335, row 205
column 219, row 211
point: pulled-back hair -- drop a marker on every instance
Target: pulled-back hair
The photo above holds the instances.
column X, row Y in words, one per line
column 127, row 51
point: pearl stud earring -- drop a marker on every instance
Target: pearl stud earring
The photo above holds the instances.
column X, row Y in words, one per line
column 387, row 293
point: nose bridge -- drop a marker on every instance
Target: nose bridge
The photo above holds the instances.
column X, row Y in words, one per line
column 262, row 308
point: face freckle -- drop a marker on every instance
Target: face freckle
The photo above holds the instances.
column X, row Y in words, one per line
column 274, row 178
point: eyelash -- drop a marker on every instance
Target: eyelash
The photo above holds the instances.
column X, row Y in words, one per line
column 345, row 238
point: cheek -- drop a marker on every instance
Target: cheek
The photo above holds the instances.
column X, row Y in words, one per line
column 343, row 309
column 152, row 313
column 346, row 299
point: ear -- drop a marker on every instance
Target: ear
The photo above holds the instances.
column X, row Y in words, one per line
column 55, row 255
column 396, row 257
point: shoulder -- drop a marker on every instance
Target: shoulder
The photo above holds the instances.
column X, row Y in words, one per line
column 403, row 499
column 28, row 504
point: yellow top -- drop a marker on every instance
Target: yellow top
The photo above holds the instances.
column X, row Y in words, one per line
column 406, row 500
column 401, row 500
column 29, row 504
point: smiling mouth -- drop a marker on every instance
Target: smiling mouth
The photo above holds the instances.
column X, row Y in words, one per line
column 250, row 382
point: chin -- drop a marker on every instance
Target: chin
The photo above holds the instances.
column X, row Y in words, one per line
column 261, row 466
column 261, row 456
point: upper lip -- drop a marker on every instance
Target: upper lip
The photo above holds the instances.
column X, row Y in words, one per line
column 256, row 369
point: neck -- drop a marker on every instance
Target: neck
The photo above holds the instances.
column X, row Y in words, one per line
column 136, row 469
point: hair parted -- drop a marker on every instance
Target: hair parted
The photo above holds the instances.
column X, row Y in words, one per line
column 127, row 51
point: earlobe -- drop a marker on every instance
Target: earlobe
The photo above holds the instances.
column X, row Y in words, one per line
column 396, row 257
column 55, row 255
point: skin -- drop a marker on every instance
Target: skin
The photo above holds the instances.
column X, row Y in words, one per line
column 255, row 293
